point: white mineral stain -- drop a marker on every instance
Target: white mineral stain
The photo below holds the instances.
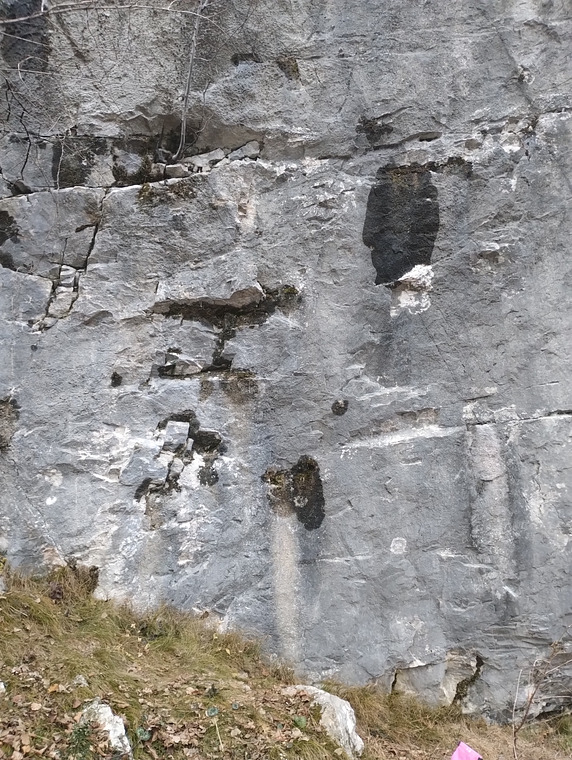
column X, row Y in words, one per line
column 398, row 546
column 286, row 574
column 411, row 291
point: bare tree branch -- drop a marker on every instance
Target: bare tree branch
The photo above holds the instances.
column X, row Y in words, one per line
column 203, row 5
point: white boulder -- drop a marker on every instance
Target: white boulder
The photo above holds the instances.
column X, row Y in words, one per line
column 102, row 714
column 338, row 718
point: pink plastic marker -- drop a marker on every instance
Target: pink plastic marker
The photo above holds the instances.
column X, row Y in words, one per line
column 464, row 752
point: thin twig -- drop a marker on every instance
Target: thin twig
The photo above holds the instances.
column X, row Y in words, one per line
column 221, row 745
column 514, row 731
column 89, row 5
column 203, row 5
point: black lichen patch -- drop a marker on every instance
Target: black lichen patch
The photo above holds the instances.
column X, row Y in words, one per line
column 150, row 195
column 207, row 475
column 298, row 491
column 8, row 421
column 25, row 43
column 240, row 385
column 9, row 230
column 289, row 66
column 340, row 407
column 402, row 221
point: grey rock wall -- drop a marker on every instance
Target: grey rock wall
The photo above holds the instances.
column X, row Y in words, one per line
column 317, row 383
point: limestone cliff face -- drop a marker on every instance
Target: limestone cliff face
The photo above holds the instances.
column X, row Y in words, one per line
column 311, row 374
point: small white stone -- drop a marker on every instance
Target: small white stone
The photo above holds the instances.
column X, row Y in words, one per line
column 206, row 160
column 398, row 546
column 176, row 171
column 80, row 681
column 250, row 150
column 2, row 687
column 67, row 277
column 177, row 467
column 158, row 170
column 100, row 713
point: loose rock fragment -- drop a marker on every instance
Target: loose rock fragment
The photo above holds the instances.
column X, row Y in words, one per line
column 102, row 714
column 338, row 718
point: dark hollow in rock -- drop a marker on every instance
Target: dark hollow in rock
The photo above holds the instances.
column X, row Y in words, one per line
column 7, row 261
column 227, row 316
column 373, row 129
column 464, row 685
column 116, row 380
column 298, row 491
column 402, row 221
column 207, row 442
column 8, row 418
column 238, row 58
column 209, row 445
column 340, row 407
column 8, row 231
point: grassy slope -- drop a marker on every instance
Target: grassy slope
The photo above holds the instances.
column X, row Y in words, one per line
column 185, row 691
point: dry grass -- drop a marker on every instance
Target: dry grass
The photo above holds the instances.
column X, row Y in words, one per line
column 398, row 726
column 186, row 691
column 193, row 691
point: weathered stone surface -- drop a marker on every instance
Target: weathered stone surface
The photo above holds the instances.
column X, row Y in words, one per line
column 361, row 332
column 250, row 150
